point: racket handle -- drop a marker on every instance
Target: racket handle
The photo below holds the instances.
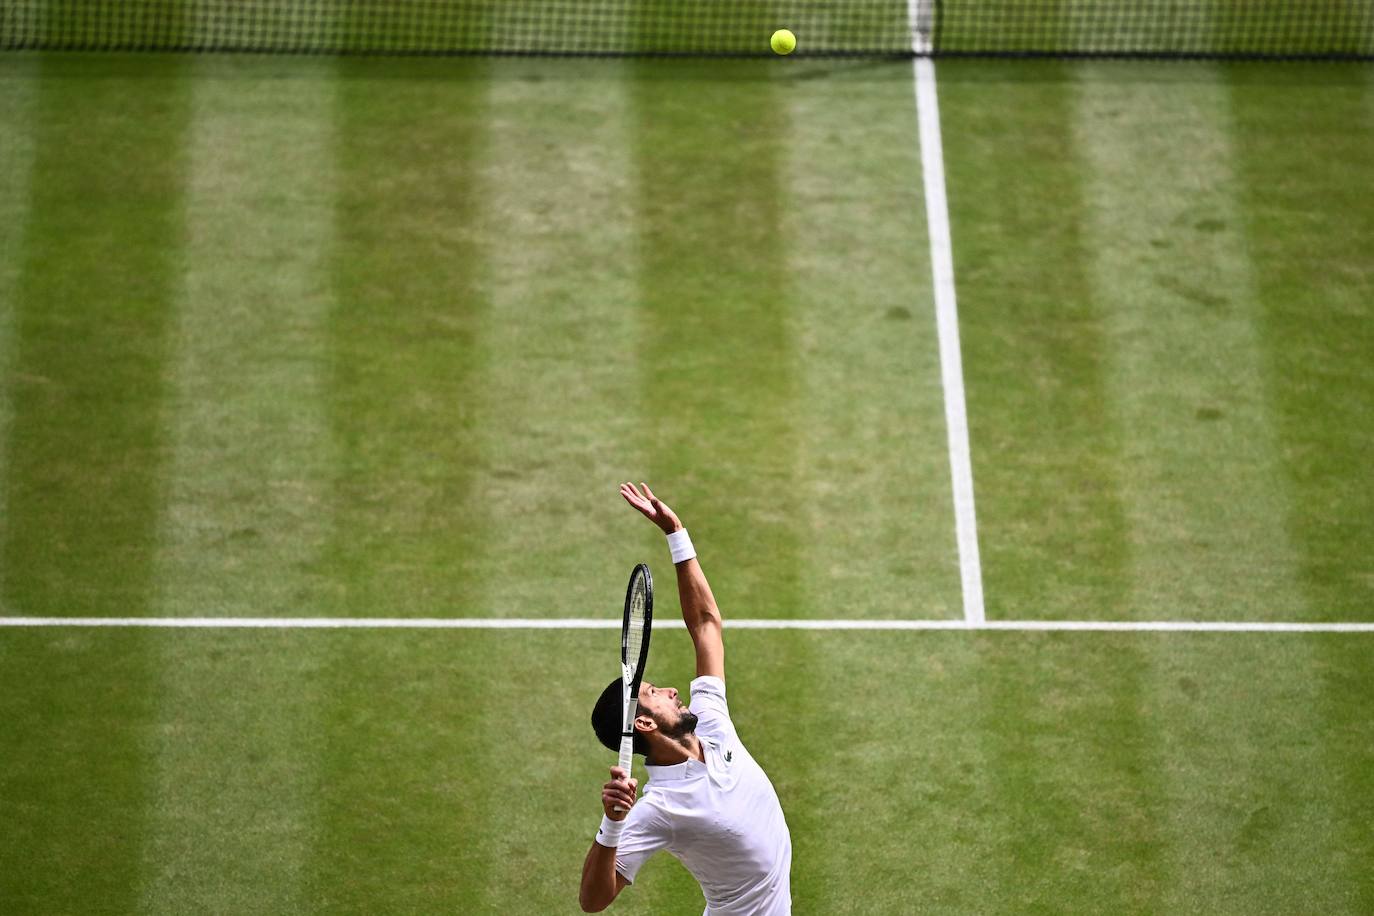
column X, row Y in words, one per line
column 626, row 761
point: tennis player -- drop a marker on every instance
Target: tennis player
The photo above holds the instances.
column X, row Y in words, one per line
column 707, row 801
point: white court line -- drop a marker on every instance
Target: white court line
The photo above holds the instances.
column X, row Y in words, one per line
column 947, row 323
column 610, row 623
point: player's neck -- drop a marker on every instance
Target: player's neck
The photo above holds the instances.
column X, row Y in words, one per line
column 671, row 752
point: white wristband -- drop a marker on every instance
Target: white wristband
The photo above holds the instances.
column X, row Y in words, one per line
column 680, row 545
column 609, row 834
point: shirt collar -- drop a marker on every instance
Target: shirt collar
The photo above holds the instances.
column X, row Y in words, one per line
column 677, row 771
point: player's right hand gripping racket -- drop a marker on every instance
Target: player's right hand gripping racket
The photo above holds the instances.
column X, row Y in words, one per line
column 634, row 650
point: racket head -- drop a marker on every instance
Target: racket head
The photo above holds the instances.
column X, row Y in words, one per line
column 635, row 628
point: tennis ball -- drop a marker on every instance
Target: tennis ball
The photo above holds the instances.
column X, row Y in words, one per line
column 783, row 41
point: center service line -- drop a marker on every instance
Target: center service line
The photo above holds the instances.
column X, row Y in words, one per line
column 613, row 623
column 946, row 315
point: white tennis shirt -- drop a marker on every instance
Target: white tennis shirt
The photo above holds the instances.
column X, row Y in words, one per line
column 720, row 818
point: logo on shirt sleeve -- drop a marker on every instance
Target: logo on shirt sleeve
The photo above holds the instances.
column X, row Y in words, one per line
column 728, row 755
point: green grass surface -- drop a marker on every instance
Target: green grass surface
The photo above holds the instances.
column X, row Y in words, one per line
column 293, row 337
column 1145, row 323
column 364, row 772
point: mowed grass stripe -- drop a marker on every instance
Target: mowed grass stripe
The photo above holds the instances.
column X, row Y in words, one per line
column 558, row 429
column 1305, row 148
column 878, row 520
column 18, row 89
column 92, row 319
column 1045, row 449
column 1063, row 822
column 1205, row 496
column 404, row 350
column 246, row 513
column 557, row 420
column 719, row 361
column 410, row 297
column 1259, row 761
column 904, row 780
column 1072, row 795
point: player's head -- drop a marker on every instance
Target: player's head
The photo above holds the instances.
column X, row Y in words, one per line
column 660, row 717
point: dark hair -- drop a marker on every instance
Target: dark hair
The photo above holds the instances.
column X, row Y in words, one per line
column 606, row 719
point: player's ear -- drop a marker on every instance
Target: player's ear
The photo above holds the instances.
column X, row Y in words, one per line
column 645, row 724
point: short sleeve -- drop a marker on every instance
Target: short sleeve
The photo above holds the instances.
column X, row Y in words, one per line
column 646, row 831
column 709, row 706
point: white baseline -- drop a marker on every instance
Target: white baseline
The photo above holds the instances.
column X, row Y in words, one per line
column 613, row 623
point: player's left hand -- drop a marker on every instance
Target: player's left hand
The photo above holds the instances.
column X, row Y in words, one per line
column 618, row 793
column 651, row 507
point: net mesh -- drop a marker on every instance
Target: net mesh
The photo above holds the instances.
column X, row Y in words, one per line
column 1155, row 28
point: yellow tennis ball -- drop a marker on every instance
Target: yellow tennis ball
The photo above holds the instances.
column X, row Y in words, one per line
column 783, row 41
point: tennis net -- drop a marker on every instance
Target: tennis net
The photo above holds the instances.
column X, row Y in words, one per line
column 1318, row 29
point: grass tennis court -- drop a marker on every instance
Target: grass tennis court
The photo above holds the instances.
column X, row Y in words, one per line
column 302, row 337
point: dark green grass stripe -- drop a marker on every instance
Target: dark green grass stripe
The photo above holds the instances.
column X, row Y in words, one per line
column 1067, row 799
column 404, row 334
column 84, row 453
column 1305, row 149
column 717, row 356
column 1051, row 525
column 413, row 738
column 405, row 356
column 717, row 353
column 76, row 711
column 92, row 311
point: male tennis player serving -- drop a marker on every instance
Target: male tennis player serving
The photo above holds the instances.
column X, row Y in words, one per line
column 707, row 802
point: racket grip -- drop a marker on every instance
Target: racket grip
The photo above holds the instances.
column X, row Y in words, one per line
column 626, row 761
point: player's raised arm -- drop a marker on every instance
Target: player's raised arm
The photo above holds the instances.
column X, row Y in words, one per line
column 699, row 609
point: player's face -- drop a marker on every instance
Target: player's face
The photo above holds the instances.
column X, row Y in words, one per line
column 662, row 703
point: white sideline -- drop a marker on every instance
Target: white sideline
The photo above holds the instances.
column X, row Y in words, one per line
column 612, row 623
column 947, row 325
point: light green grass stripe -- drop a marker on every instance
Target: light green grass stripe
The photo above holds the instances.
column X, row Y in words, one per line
column 557, row 419
column 871, row 443
column 1259, row 764
column 18, row 83
column 245, row 513
column 557, row 425
column 1204, row 492
column 720, row 364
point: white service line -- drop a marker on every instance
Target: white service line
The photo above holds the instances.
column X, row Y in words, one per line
column 947, row 326
column 612, row 623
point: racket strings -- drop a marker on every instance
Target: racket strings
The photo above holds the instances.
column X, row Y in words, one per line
column 634, row 633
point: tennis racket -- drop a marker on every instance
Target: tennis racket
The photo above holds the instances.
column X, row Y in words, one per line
column 634, row 650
